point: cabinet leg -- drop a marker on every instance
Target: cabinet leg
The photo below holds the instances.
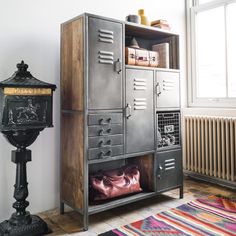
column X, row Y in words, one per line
column 62, row 208
column 181, row 192
column 86, row 221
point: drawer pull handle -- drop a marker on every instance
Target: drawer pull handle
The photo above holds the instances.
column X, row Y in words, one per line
column 108, row 153
column 109, row 130
column 101, row 132
column 101, row 143
column 101, row 121
column 105, row 155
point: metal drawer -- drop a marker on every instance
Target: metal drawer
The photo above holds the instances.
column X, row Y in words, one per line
column 106, row 118
column 101, row 130
column 103, row 141
column 105, row 152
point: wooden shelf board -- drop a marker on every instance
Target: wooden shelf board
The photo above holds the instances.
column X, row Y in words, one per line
column 149, row 32
column 119, row 202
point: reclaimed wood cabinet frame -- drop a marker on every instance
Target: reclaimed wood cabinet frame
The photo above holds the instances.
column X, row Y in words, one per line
column 75, row 164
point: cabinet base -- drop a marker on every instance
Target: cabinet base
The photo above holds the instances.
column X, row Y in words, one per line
column 37, row 227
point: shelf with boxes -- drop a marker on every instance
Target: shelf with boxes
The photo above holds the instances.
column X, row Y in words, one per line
column 150, row 46
column 111, row 114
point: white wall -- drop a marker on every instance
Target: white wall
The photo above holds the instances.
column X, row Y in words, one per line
column 30, row 30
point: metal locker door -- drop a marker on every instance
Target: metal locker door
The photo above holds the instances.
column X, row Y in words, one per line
column 105, row 64
column 169, row 169
column 139, row 111
column 167, row 89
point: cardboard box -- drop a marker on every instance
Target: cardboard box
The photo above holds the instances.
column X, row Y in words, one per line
column 141, row 57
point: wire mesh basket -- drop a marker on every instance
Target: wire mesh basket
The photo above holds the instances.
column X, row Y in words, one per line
column 168, row 129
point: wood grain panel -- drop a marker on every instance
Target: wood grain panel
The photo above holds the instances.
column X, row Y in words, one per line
column 72, row 159
column 146, row 167
column 72, row 65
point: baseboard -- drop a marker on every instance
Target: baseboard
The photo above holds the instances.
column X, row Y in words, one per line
column 210, row 179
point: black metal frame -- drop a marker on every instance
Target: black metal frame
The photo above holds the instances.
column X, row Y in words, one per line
column 22, row 223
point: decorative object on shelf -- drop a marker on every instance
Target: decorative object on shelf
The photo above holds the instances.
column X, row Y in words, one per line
column 115, row 183
column 164, row 54
column 134, row 43
column 133, row 19
column 162, row 24
column 25, row 110
column 144, row 19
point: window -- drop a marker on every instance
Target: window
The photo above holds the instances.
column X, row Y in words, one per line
column 212, row 52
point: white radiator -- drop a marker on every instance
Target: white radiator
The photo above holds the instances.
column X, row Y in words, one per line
column 210, row 146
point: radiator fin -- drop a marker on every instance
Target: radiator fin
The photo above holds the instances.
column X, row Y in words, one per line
column 210, row 146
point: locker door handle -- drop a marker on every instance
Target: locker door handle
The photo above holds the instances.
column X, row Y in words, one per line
column 118, row 66
column 158, row 89
column 128, row 111
column 159, row 172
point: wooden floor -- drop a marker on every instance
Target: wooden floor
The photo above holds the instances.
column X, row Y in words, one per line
column 70, row 222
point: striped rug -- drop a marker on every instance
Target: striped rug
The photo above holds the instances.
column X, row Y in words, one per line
column 211, row 216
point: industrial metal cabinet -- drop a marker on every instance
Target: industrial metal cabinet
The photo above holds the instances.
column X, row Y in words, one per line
column 111, row 113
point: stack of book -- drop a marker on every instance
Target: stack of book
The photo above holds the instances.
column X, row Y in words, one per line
column 164, row 54
column 163, row 24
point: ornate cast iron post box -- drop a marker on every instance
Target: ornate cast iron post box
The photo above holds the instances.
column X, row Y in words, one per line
column 25, row 110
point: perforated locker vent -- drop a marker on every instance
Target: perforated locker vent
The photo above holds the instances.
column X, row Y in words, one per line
column 168, row 129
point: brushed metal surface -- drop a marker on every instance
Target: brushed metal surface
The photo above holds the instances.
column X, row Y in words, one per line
column 104, row 50
column 105, row 118
column 105, row 152
column 167, row 89
column 140, row 122
column 103, row 141
column 101, row 130
column 169, row 169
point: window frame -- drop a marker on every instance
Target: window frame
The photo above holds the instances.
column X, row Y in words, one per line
column 192, row 8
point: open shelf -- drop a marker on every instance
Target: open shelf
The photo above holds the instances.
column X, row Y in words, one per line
column 148, row 32
column 119, row 202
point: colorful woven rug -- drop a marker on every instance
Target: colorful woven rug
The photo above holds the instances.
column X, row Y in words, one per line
column 209, row 216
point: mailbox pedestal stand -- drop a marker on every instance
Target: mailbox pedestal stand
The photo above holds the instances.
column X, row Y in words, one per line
column 21, row 222
column 25, row 110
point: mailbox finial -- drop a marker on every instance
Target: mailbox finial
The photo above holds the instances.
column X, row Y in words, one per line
column 22, row 66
